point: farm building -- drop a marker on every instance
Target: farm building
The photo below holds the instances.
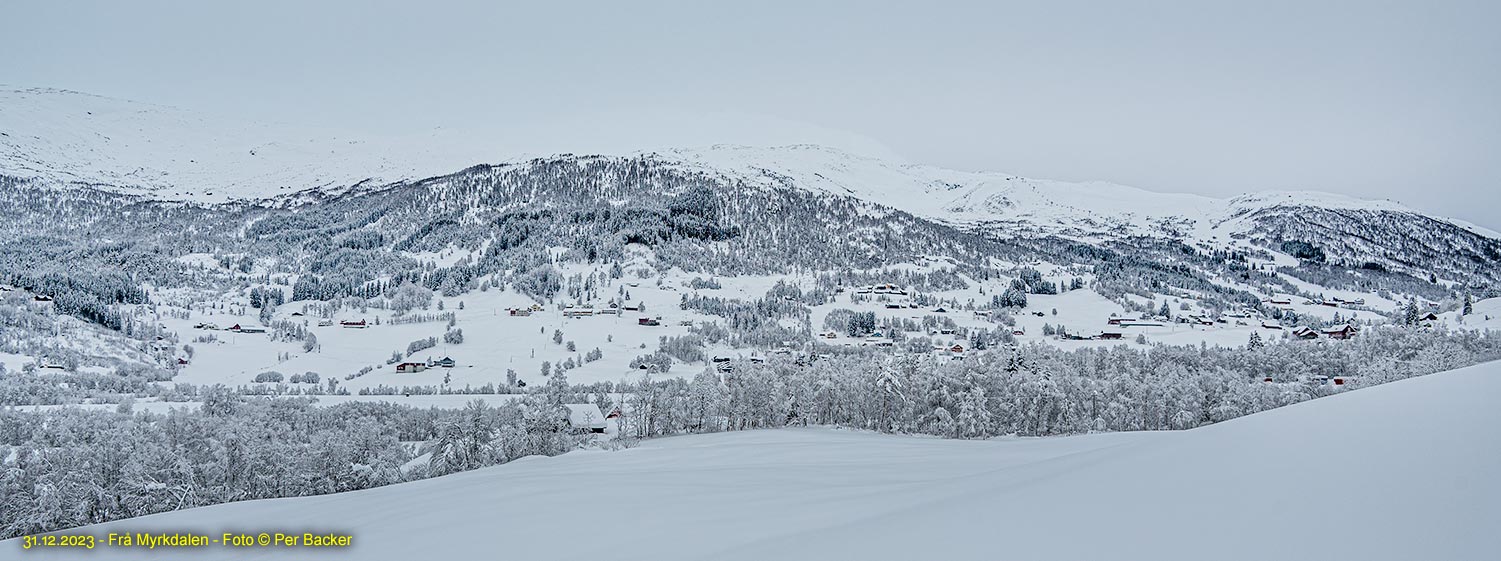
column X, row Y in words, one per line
column 410, row 367
column 1304, row 332
column 353, row 324
column 1345, row 331
column 585, row 417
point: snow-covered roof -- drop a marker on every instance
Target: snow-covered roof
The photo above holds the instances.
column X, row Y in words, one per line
column 585, row 416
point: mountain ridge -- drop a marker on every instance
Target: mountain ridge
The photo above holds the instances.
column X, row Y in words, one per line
column 160, row 152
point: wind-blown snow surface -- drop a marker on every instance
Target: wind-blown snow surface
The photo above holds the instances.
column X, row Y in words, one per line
column 1401, row 471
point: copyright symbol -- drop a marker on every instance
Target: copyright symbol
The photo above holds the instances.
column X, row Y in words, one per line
column 264, row 539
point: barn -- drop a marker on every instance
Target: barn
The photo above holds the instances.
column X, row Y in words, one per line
column 585, row 417
column 1340, row 332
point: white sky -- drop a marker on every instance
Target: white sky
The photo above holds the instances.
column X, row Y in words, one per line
column 1369, row 98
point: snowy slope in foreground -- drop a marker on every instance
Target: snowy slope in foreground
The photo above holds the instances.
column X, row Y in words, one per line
column 1401, row 471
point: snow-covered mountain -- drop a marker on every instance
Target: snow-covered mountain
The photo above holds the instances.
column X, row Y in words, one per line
column 171, row 154
column 345, row 211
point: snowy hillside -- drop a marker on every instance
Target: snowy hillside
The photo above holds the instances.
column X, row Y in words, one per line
column 1401, row 471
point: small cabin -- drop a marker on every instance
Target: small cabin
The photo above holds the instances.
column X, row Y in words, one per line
column 1110, row 335
column 410, row 367
column 519, row 312
column 586, row 417
column 1118, row 321
column 1304, row 332
column 1340, row 332
column 648, row 321
column 956, row 348
column 444, row 362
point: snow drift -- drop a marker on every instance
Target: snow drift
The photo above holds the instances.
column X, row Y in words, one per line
column 1402, row 471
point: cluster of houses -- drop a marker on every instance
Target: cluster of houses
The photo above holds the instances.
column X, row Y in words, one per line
column 1336, row 302
column 236, row 328
column 587, row 311
column 1333, row 302
column 414, row 367
column 882, row 289
column 1133, row 322
column 1102, row 336
column 1344, row 331
column 576, row 311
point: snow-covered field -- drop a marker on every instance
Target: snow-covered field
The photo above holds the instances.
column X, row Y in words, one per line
column 1401, row 471
column 496, row 342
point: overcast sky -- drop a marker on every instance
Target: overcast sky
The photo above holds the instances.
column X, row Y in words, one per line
column 1375, row 99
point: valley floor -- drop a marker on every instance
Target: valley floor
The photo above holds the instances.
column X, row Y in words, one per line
column 1405, row 470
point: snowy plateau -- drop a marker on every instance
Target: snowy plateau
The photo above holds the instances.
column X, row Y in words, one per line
column 722, row 352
